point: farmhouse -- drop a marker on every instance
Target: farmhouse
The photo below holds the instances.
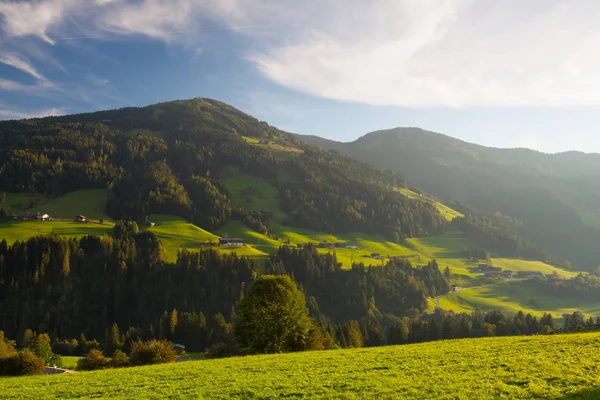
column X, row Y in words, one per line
column 150, row 224
column 232, row 242
column 81, row 218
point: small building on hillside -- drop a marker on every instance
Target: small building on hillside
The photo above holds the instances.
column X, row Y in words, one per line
column 179, row 348
column 232, row 242
column 150, row 224
column 81, row 218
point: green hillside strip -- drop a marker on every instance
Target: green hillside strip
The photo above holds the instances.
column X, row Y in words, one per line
column 541, row 367
column 516, row 296
column 443, row 209
column 23, row 230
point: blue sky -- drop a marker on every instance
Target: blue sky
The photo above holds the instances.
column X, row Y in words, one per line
column 504, row 74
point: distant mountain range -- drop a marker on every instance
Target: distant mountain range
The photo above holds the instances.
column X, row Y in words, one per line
column 557, row 196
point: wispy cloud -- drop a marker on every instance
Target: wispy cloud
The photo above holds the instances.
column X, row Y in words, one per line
column 14, row 61
column 34, row 18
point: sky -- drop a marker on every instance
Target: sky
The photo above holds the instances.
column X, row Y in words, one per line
column 505, row 74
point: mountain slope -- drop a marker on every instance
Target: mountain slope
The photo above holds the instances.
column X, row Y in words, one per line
column 177, row 158
column 557, row 196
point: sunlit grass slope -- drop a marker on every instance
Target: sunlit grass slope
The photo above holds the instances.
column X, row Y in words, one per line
column 23, row 230
column 91, row 203
column 534, row 367
column 516, row 296
column 443, row 209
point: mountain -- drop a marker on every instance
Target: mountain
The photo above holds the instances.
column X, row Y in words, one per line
column 557, row 196
column 173, row 158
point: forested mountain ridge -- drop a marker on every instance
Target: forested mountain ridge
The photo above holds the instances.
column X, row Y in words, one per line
column 169, row 157
column 556, row 196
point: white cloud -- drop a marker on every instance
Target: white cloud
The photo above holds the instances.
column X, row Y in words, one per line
column 6, row 114
column 426, row 53
column 441, row 53
column 14, row 61
column 34, row 18
column 153, row 18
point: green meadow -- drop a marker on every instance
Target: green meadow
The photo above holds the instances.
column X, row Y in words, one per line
column 515, row 296
column 533, row 367
column 444, row 210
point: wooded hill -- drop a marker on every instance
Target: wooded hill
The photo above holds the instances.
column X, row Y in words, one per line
column 168, row 158
column 555, row 197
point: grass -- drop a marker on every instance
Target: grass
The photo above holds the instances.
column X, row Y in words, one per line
column 176, row 233
column 272, row 146
column 516, row 296
column 70, row 362
column 251, row 193
column 15, row 202
column 443, row 209
column 91, row 203
column 535, row 367
column 23, row 230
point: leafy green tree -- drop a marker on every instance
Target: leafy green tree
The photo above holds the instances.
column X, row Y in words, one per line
column 273, row 317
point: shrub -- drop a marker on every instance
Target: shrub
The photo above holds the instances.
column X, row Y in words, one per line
column 152, row 352
column 221, row 350
column 119, row 360
column 94, row 360
column 23, row 362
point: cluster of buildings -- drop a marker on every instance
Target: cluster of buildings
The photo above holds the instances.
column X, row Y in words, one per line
column 24, row 216
column 31, row 217
column 231, row 242
column 337, row 245
column 494, row 272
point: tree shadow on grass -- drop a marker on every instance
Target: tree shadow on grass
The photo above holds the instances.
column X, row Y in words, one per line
column 587, row 394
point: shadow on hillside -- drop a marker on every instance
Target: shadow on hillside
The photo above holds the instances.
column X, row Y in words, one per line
column 587, row 394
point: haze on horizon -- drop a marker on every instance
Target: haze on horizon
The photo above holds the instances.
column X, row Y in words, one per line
column 508, row 74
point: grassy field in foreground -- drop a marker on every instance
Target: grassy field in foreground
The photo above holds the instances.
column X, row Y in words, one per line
column 534, row 367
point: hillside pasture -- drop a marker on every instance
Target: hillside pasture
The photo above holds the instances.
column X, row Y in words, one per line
column 534, row 367
column 448, row 213
column 516, row 296
column 91, row 203
column 23, row 230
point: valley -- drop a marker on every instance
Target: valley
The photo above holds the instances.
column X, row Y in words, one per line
column 475, row 293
